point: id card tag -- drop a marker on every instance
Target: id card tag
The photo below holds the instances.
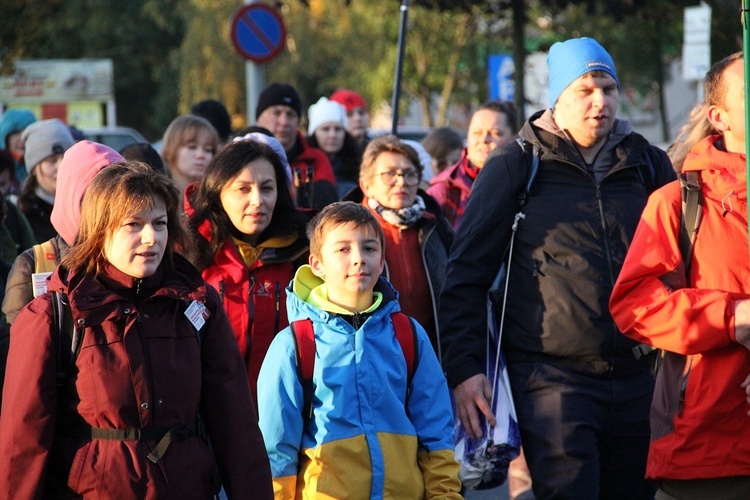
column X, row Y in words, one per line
column 39, row 283
column 197, row 314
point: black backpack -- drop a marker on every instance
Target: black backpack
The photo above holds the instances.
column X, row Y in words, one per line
column 692, row 213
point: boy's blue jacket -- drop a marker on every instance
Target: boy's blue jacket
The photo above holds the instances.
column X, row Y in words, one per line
column 364, row 439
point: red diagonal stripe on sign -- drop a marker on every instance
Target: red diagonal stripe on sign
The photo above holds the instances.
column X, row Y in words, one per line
column 258, row 32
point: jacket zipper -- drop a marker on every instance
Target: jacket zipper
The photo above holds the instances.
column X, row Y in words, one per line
column 607, row 250
column 147, row 364
column 278, row 308
column 250, row 318
column 608, row 253
column 221, row 291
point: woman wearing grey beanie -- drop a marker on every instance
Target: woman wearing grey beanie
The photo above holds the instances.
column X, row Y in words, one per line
column 45, row 142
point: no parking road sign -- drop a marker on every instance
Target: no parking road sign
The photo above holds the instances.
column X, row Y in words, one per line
column 258, row 32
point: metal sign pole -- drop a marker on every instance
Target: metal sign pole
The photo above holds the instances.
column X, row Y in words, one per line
column 254, row 76
column 399, row 64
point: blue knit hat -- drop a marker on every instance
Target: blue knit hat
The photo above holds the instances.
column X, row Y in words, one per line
column 571, row 59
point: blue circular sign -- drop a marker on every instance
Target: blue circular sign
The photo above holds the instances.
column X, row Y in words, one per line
column 258, row 32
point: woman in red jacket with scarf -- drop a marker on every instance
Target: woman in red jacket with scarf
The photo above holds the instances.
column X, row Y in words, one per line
column 417, row 236
column 249, row 239
column 157, row 372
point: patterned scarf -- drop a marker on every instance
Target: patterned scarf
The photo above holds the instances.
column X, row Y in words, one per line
column 402, row 217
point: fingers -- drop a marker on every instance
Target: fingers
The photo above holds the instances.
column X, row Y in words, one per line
column 472, row 397
column 484, row 407
column 470, row 420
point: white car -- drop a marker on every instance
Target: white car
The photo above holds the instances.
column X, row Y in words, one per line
column 114, row 137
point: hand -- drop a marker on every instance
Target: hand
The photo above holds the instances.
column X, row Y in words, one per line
column 474, row 392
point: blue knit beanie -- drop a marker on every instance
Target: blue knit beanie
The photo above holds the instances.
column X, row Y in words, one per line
column 571, row 59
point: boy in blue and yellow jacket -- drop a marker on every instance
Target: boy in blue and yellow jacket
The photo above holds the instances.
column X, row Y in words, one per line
column 369, row 436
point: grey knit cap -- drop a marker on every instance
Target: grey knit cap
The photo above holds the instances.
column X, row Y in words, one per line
column 44, row 139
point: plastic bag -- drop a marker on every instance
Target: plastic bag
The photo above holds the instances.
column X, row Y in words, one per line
column 484, row 461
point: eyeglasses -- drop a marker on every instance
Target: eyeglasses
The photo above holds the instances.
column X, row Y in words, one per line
column 411, row 177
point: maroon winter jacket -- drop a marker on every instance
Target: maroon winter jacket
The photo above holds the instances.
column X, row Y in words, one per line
column 142, row 364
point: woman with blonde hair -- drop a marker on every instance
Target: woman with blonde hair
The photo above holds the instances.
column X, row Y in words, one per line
column 693, row 130
column 123, row 404
column 189, row 143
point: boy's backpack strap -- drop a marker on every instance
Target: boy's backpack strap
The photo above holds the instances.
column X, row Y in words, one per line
column 406, row 334
column 304, row 343
column 532, row 152
column 44, row 257
column 690, row 188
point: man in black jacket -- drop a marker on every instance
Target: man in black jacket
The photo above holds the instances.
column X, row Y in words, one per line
column 582, row 398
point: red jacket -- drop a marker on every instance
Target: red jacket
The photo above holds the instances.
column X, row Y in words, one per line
column 699, row 422
column 254, row 297
column 140, row 366
column 415, row 261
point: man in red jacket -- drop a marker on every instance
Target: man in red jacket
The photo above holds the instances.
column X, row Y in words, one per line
column 698, row 310
column 279, row 110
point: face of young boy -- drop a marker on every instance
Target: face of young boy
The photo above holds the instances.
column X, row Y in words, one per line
column 350, row 262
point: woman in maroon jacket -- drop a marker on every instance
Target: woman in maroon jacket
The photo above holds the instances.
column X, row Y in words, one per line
column 249, row 239
column 156, row 374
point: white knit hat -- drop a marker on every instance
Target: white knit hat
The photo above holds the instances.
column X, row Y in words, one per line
column 44, row 139
column 325, row 111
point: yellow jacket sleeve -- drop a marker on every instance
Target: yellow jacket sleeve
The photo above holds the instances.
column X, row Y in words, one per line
column 440, row 472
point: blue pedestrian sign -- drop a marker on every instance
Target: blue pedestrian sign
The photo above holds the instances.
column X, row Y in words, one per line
column 257, row 32
column 501, row 79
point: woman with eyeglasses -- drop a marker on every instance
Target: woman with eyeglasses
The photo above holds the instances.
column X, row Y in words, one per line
column 417, row 236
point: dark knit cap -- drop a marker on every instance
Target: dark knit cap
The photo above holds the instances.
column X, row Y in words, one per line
column 215, row 112
column 144, row 153
column 279, row 94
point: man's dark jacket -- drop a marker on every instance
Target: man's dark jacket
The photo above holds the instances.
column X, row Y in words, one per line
column 568, row 252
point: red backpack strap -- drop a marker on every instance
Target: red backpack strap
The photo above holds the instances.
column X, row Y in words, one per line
column 406, row 334
column 304, row 343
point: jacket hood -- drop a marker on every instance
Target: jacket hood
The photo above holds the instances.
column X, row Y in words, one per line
column 304, row 282
column 14, row 120
column 709, row 154
column 78, row 167
column 545, row 121
column 542, row 130
column 728, row 169
column 89, row 292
